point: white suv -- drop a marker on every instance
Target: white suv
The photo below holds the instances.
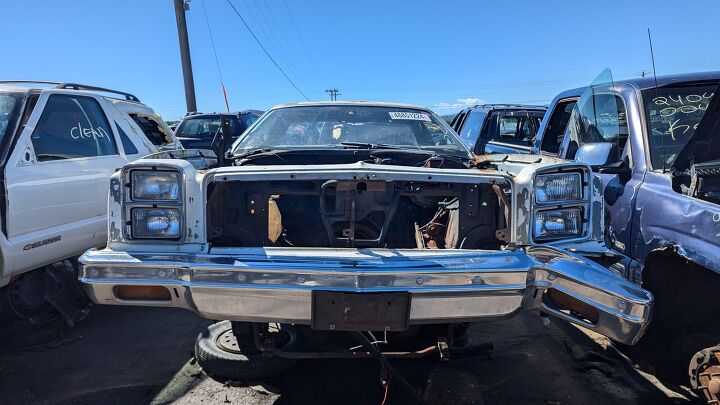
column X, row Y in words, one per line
column 59, row 145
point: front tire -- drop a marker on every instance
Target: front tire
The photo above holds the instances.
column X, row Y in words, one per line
column 223, row 355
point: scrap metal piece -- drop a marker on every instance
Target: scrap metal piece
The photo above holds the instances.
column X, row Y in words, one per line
column 704, row 373
column 274, row 221
column 503, row 234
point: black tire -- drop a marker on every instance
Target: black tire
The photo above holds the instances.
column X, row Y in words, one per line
column 28, row 328
column 225, row 365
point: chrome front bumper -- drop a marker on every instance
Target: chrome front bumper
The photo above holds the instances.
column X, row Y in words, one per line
column 275, row 284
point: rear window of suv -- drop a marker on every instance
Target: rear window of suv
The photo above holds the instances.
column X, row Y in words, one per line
column 151, row 129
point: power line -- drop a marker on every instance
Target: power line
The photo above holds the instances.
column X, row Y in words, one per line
column 302, row 41
column 300, row 68
column 281, row 53
column 266, row 52
column 217, row 62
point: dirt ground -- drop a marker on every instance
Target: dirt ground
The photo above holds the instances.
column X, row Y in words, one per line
column 124, row 355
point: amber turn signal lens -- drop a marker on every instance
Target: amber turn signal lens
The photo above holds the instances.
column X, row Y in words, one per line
column 142, row 293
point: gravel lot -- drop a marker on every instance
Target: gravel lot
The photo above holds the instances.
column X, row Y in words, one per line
column 124, row 355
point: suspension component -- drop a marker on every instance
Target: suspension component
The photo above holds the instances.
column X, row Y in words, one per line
column 704, row 373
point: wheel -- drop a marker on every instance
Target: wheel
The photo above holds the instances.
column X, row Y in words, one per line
column 224, row 356
column 27, row 319
column 685, row 306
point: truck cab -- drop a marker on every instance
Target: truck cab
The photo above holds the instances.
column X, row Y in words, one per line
column 654, row 143
column 498, row 128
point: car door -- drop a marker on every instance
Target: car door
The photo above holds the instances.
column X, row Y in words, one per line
column 552, row 131
column 57, row 178
column 601, row 115
column 470, row 127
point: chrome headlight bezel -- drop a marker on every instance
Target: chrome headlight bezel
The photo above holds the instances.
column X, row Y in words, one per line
column 580, row 200
column 132, row 201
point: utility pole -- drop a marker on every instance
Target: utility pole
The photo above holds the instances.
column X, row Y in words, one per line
column 180, row 7
column 333, row 94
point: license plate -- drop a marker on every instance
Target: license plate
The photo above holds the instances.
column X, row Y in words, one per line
column 360, row 311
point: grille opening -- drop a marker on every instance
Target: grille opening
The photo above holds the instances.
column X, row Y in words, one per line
column 355, row 214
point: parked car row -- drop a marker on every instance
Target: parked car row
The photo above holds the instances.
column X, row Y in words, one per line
column 313, row 219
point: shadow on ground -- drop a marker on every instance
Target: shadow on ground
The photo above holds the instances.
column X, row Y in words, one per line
column 123, row 355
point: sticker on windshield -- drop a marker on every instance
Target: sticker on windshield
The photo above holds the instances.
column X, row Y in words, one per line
column 409, row 116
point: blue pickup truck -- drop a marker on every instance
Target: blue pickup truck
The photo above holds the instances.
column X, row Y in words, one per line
column 655, row 142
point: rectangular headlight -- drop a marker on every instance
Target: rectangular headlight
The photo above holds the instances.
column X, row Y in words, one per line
column 558, row 187
column 155, row 185
column 156, row 223
column 557, row 224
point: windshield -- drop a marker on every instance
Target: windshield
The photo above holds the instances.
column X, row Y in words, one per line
column 8, row 105
column 330, row 126
column 673, row 114
column 205, row 127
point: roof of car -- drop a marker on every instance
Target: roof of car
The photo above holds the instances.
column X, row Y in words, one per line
column 508, row 107
column 37, row 85
column 352, row 103
column 648, row 82
column 212, row 114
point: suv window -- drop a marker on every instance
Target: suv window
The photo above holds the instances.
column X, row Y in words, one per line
column 471, row 128
column 199, row 128
column 555, row 130
column 248, row 120
column 151, row 129
column 516, row 129
column 127, row 144
column 72, row 127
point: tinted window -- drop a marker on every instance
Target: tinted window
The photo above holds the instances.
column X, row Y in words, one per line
column 597, row 117
column 8, row 106
column 516, row 129
column 127, row 144
column 248, row 120
column 555, row 129
column 471, row 128
column 151, row 129
column 199, row 128
column 672, row 115
column 72, row 127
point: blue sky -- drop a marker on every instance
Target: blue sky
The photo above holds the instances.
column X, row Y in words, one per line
column 439, row 54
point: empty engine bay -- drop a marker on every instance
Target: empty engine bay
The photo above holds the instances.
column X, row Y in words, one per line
column 358, row 214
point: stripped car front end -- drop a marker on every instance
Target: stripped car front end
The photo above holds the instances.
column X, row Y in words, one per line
column 241, row 244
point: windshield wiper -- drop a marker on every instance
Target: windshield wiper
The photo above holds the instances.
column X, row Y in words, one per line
column 377, row 145
column 251, row 152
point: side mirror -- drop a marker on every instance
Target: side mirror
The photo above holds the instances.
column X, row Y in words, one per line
column 596, row 154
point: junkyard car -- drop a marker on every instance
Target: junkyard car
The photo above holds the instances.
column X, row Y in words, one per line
column 59, row 145
column 203, row 130
column 499, row 128
column 654, row 143
column 356, row 216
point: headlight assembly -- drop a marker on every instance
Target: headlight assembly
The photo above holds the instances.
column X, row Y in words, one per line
column 155, row 185
column 156, row 223
column 558, row 187
column 556, row 224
